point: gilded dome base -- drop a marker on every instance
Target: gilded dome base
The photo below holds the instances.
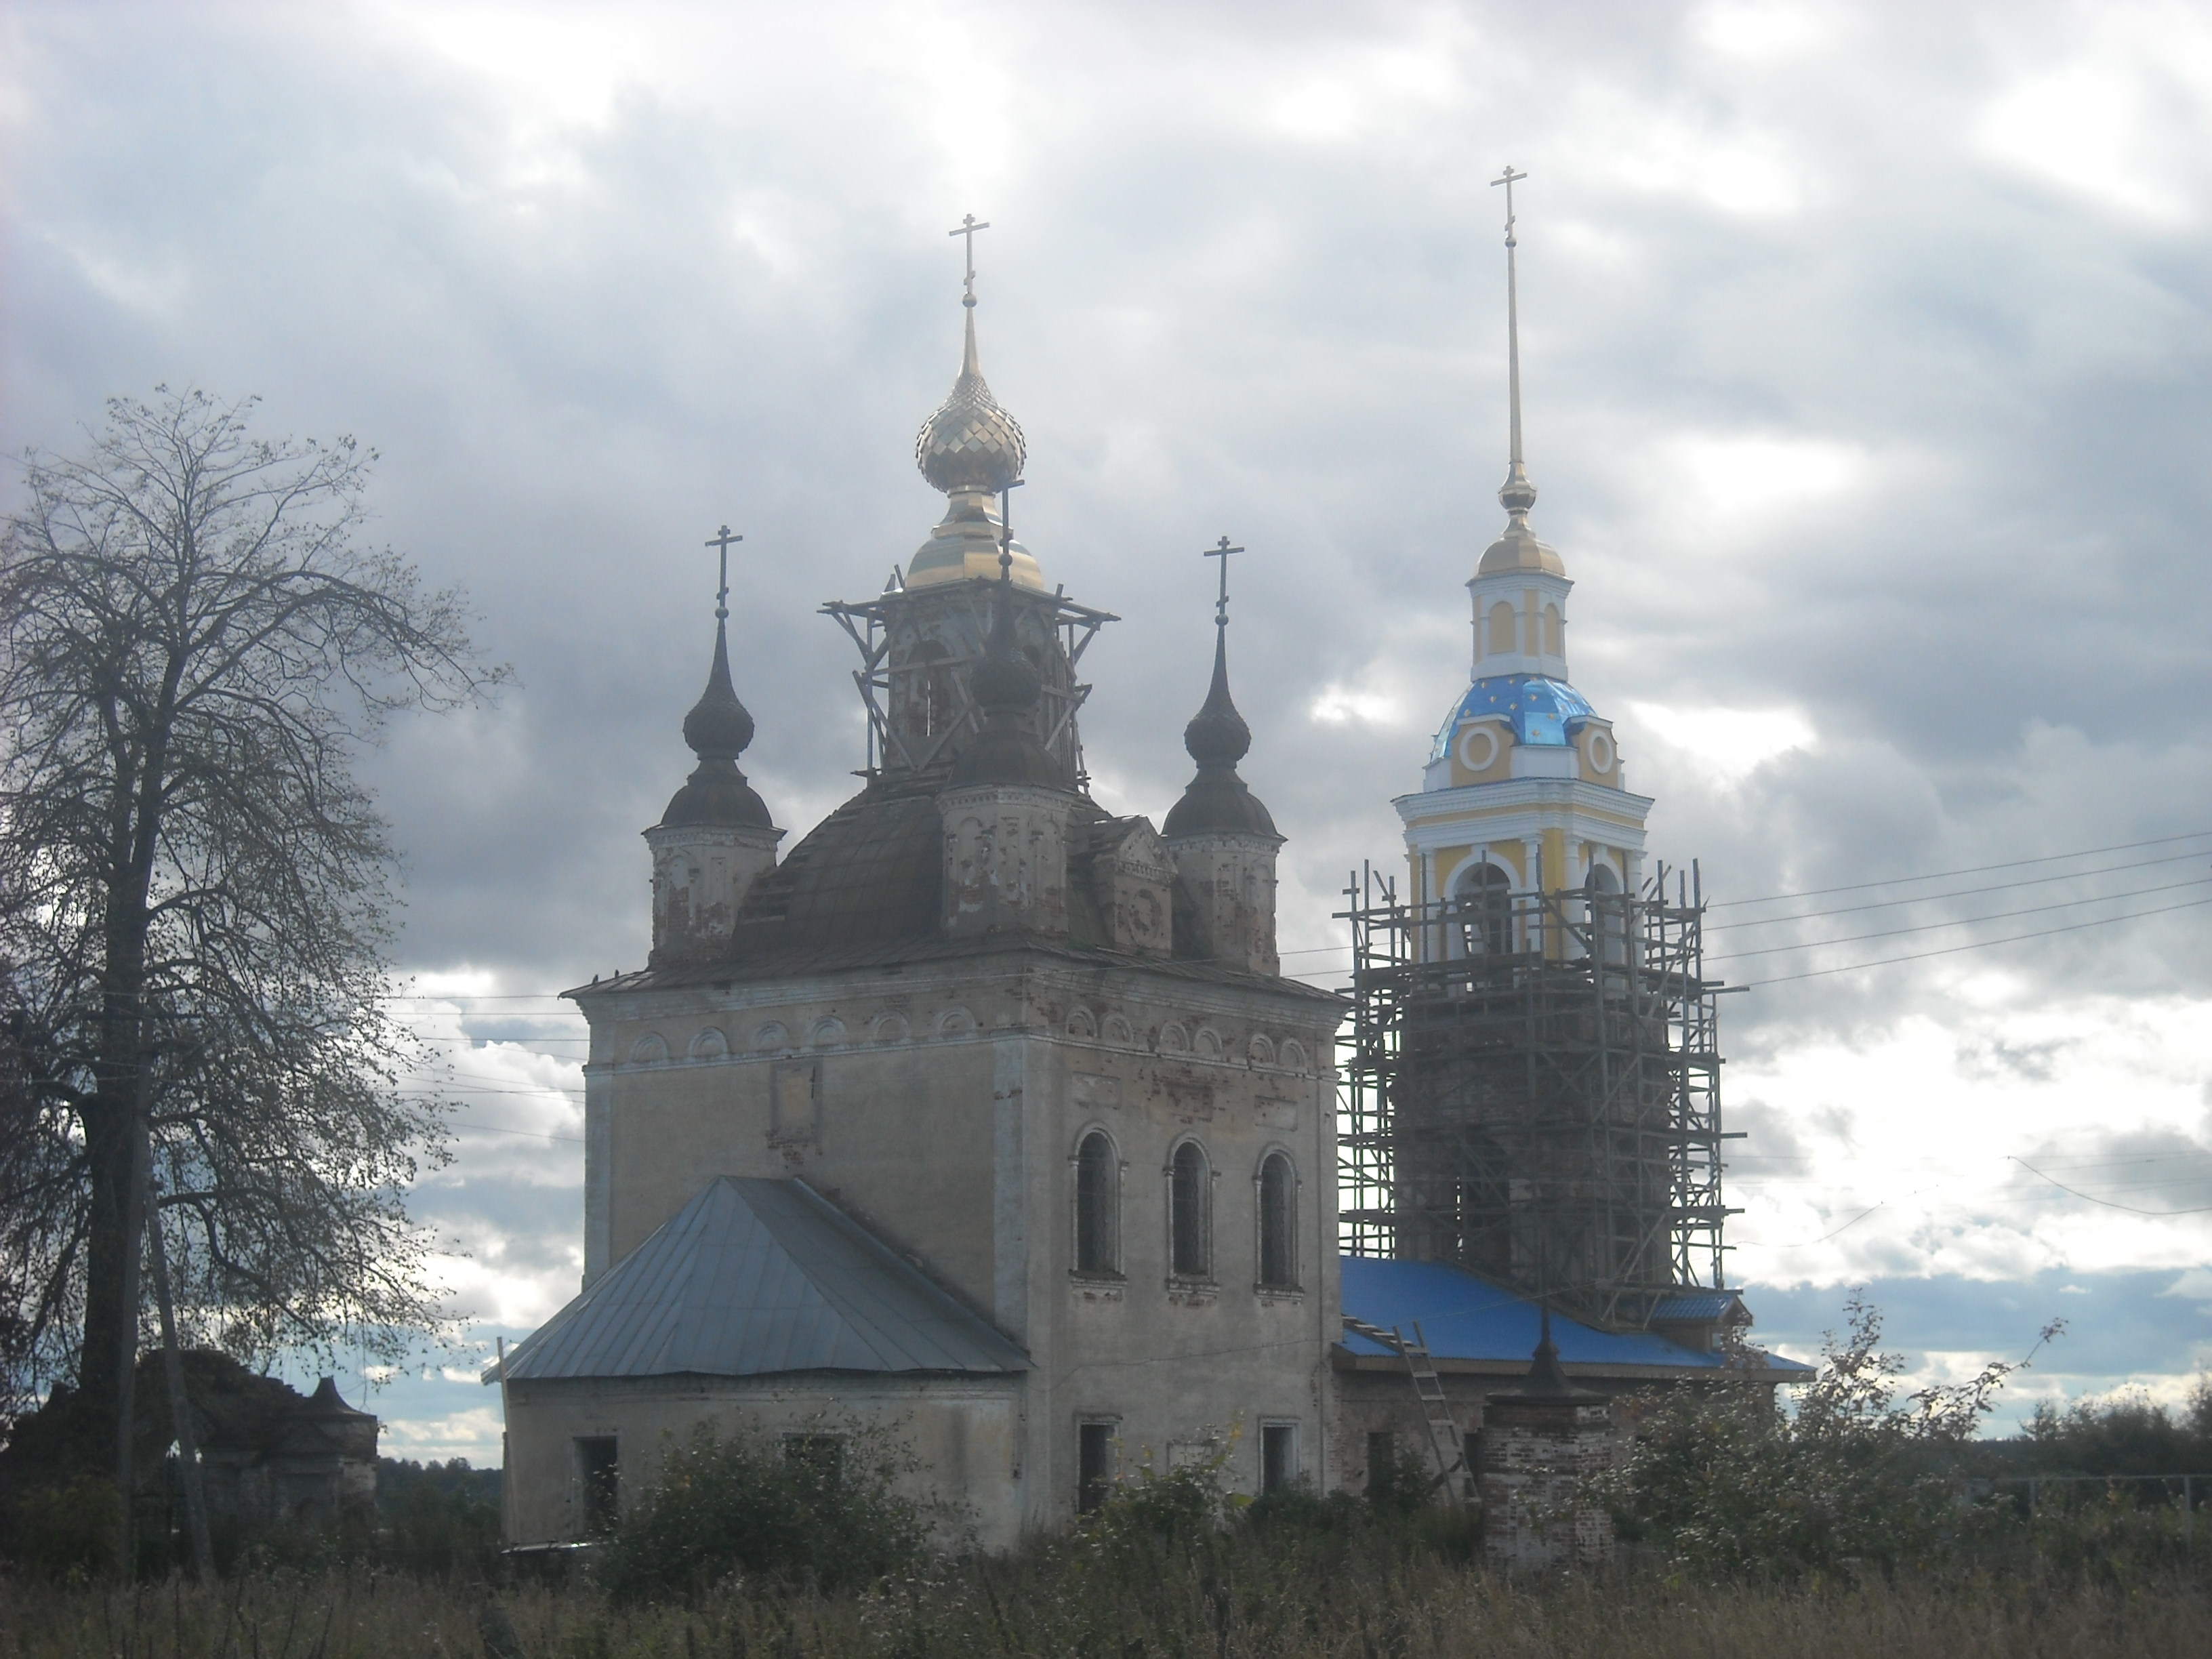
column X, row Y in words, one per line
column 965, row 546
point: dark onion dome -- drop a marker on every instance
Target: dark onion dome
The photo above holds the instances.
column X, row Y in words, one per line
column 1218, row 801
column 718, row 728
column 1005, row 686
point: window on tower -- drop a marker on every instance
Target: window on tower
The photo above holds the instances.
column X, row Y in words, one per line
column 1502, row 633
column 1190, row 1196
column 1481, row 913
column 1097, row 1206
column 1279, row 1242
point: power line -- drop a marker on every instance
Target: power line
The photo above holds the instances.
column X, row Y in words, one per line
column 1938, row 898
column 1979, row 944
column 1961, row 922
column 1971, row 870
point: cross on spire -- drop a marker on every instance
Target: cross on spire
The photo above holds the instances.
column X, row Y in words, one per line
column 969, row 225
column 1221, row 550
column 721, row 541
column 1509, row 179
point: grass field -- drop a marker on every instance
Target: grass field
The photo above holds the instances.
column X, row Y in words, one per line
column 1277, row 1590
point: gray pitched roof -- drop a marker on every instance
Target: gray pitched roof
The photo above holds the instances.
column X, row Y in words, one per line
column 755, row 1277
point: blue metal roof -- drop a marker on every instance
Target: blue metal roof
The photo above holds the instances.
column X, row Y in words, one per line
column 1696, row 1305
column 1464, row 1317
column 757, row 1277
column 1544, row 712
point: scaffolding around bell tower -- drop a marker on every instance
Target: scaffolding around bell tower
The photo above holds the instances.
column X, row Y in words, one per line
column 1531, row 1090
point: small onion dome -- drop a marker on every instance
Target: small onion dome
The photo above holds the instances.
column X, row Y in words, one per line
column 971, row 449
column 1005, row 687
column 718, row 728
column 1217, row 738
column 1518, row 548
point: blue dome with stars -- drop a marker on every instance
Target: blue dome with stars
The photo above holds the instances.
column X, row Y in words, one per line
column 1545, row 712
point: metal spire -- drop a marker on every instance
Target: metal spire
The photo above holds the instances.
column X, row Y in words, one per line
column 1517, row 495
column 969, row 225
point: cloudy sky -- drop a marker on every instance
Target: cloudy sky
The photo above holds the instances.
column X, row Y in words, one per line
column 1867, row 361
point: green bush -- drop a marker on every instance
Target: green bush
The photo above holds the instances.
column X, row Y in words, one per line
column 829, row 1508
column 1726, row 1483
column 1165, row 1507
column 71, row 1531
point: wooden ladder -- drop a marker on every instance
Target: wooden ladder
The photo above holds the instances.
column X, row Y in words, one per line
column 1428, row 1388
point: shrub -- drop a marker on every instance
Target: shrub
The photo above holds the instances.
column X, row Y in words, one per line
column 826, row 1508
column 1726, row 1483
column 1165, row 1507
column 71, row 1531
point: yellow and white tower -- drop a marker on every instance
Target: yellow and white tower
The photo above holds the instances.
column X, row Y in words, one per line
column 1524, row 791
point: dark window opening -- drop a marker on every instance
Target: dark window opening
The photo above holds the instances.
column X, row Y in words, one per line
column 1097, row 1220
column 1095, row 1467
column 1279, row 1252
column 1278, row 1457
column 1190, row 1192
column 1381, row 1463
column 598, row 1479
column 1483, row 926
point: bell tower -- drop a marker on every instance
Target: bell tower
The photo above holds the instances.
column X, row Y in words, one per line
column 1533, row 1092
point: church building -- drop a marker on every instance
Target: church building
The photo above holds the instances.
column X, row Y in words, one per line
column 989, row 1113
column 982, row 1108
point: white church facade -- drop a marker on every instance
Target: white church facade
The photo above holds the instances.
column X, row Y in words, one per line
column 985, row 1111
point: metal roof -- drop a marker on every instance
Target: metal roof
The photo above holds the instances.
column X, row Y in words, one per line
column 755, row 1277
column 1696, row 1305
column 1466, row 1317
column 1543, row 711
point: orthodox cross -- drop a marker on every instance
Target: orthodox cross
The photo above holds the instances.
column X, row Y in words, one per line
column 969, row 225
column 1221, row 550
column 721, row 541
column 1509, row 179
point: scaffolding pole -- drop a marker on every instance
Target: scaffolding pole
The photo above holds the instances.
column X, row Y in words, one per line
column 1531, row 1090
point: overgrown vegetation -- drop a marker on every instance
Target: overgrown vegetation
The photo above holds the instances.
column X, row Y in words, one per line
column 828, row 1509
column 1302, row 1580
column 1726, row 1483
column 437, row 1517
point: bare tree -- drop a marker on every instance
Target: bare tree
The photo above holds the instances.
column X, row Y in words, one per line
column 195, row 897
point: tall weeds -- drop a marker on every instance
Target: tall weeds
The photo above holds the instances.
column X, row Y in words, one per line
column 1290, row 1582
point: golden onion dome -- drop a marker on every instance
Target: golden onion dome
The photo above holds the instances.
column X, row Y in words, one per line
column 970, row 443
column 971, row 449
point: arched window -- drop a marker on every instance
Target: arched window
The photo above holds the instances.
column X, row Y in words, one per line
column 1097, row 1206
column 1553, row 645
column 1608, row 915
column 1482, row 913
column 1190, row 1200
column 1278, row 1223
column 1502, row 632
